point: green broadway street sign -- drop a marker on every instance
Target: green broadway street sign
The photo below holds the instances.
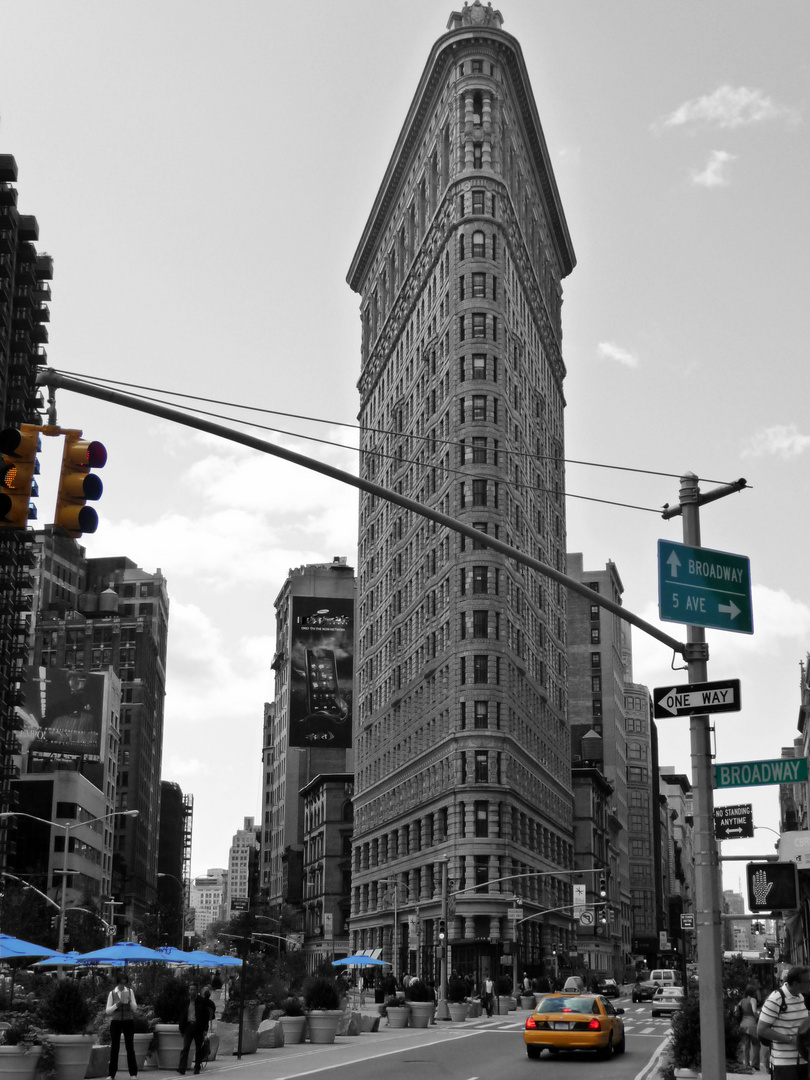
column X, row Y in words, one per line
column 756, row 773
column 703, row 587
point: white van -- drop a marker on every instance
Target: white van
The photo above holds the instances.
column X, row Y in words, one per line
column 574, row 985
column 665, row 977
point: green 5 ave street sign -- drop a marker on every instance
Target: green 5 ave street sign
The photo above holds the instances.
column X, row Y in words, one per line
column 757, row 773
column 702, row 587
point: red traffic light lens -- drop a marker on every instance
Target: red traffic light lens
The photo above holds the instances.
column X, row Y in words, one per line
column 96, row 455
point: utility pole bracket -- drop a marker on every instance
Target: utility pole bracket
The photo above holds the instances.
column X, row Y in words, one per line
column 696, row 650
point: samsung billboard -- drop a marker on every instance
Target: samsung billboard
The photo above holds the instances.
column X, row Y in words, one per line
column 322, row 666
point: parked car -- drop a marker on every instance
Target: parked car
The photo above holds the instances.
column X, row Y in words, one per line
column 667, row 1000
column 574, row 1022
column 608, row 988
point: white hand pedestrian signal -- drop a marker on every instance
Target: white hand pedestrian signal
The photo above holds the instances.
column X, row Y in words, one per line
column 762, row 886
column 772, row 886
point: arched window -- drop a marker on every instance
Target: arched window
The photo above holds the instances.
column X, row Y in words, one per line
column 478, row 244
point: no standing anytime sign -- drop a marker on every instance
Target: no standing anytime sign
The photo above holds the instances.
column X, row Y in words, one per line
column 733, row 822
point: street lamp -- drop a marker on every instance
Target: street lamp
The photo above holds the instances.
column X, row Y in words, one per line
column 396, row 882
column 67, row 827
column 183, row 906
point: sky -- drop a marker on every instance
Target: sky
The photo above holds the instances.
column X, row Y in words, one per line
column 202, row 172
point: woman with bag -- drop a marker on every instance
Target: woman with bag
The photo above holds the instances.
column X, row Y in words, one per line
column 748, row 1009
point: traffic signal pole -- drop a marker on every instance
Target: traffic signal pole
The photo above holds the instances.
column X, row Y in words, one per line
column 54, row 379
column 709, row 906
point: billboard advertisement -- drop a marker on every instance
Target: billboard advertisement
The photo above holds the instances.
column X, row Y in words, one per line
column 322, row 664
column 63, row 712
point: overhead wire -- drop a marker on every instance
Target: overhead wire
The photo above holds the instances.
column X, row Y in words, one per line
column 446, row 469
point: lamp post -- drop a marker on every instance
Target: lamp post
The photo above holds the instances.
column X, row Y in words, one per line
column 396, row 882
column 182, row 909
column 53, row 903
column 67, row 827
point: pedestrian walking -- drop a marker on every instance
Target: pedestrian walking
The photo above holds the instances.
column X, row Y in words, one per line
column 121, row 1008
column 193, row 1026
column 780, row 1017
column 489, row 990
column 749, row 1012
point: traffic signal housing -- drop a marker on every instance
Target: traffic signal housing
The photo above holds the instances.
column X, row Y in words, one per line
column 442, row 931
column 77, row 484
column 19, row 447
column 602, row 886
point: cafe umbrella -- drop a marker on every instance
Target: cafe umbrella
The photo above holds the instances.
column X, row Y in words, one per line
column 127, row 952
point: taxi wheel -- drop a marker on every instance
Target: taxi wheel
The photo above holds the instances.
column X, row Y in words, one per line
column 608, row 1050
column 620, row 1047
column 532, row 1051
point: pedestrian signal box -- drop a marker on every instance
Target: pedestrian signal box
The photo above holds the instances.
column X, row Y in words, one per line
column 772, row 886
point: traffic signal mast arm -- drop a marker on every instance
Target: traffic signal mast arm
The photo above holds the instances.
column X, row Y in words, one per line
column 54, row 379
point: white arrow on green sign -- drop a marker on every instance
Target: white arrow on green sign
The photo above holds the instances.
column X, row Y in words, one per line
column 702, row 587
column 757, row 773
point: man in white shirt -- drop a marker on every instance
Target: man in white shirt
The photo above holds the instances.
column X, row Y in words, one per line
column 780, row 1017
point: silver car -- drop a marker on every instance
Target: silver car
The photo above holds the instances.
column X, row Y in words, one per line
column 667, row 1000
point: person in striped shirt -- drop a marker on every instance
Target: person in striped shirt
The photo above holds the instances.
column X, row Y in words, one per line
column 780, row 1017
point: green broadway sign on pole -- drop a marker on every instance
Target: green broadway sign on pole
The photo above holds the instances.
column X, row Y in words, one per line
column 756, row 773
column 702, row 587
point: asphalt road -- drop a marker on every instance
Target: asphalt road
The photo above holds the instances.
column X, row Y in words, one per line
column 481, row 1049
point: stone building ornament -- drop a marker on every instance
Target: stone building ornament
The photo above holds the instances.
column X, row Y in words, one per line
column 475, row 14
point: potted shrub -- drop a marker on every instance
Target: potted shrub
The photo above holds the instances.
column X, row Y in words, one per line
column 456, row 998
column 421, row 1002
column 21, row 1052
column 66, row 1014
column 293, row 1021
column 322, row 1005
column 397, row 1011
column 503, row 994
column 170, row 1001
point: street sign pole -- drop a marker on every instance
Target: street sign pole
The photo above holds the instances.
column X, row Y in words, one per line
column 708, row 908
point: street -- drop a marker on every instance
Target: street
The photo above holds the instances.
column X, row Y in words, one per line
column 480, row 1049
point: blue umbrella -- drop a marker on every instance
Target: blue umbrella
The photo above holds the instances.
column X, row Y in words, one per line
column 206, row 959
column 13, row 947
column 174, row 956
column 360, row 961
column 58, row 960
column 127, row 952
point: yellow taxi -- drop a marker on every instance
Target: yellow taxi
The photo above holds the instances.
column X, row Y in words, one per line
column 563, row 1022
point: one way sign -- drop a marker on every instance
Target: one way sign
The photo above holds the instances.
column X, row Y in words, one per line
column 694, row 698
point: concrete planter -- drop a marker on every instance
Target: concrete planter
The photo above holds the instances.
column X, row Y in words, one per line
column 15, row 1065
column 322, row 1025
column 397, row 1016
column 169, row 1046
column 527, row 1001
column 293, row 1028
column 72, row 1054
column 458, row 1010
column 421, row 1013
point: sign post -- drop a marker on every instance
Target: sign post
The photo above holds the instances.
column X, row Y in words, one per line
column 703, row 587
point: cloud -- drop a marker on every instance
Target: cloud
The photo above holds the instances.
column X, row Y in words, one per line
column 782, row 440
column 728, row 107
column 607, row 350
column 714, row 174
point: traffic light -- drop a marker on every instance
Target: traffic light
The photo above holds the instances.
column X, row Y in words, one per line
column 19, row 448
column 442, row 930
column 603, row 916
column 772, row 886
column 602, row 886
column 77, row 484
